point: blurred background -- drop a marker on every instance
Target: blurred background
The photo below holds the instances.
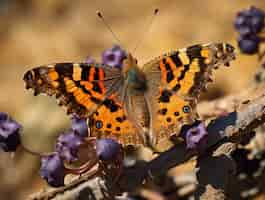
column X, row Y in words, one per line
column 36, row 32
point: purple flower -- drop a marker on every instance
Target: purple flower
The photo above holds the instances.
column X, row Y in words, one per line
column 68, row 144
column 52, row 170
column 195, row 136
column 249, row 44
column 113, row 57
column 249, row 21
column 9, row 133
column 107, row 149
column 79, row 125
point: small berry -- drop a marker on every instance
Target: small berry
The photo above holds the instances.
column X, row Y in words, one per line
column 9, row 133
column 249, row 45
column 68, row 145
column 113, row 57
column 79, row 125
column 195, row 135
column 52, row 170
column 250, row 21
column 107, row 149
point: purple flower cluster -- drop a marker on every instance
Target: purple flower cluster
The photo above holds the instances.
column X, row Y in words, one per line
column 249, row 23
column 68, row 144
column 112, row 57
column 195, row 136
column 52, row 170
column 79, row 126
column 9, row 133
column 107, row 149
column 66, row 150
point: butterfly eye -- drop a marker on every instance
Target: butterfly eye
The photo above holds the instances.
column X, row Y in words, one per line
column 186, row 109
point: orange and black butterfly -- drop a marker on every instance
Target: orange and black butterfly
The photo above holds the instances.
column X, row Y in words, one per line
column 132, row 104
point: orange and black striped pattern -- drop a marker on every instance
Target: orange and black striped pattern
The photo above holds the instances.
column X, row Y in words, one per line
column 79, row 86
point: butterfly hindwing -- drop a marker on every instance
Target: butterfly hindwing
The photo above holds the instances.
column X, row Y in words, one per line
column 111, row 121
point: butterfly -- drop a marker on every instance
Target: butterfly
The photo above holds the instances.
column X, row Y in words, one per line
column 134, row 105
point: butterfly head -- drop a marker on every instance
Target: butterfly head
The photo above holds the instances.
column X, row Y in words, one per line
column 128, row 63
column 132, row 74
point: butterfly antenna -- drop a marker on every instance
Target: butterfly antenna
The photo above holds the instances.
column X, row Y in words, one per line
column 148, row 25
column 101, row 17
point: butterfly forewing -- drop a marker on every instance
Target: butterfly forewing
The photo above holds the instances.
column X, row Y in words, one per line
column 81, row 87
column 175, row 81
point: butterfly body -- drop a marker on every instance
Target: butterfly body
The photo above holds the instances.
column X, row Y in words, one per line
column 134, row 105
column 134, row 77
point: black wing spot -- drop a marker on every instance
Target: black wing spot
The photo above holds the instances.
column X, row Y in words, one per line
column 82, row 87
column 65, row 69
column 96, row 87
column 162, row 111
column 120, row 119
column 169, row 119
column 183, row 72
column 176, row 113
column 168, row 68
column 165, row 96
column 176, row 87
column 96, row 74
column 118, row 128
column 108, row 125
column 194, row 51
column 176, row 59
column 95, row 100
column 111, row 105
column 170, row 76
column 85, row 71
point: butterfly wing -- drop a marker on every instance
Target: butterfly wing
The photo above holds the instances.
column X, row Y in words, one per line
column 111, row 121
column 174, row 82
column 81, row 87
column 93, row 91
